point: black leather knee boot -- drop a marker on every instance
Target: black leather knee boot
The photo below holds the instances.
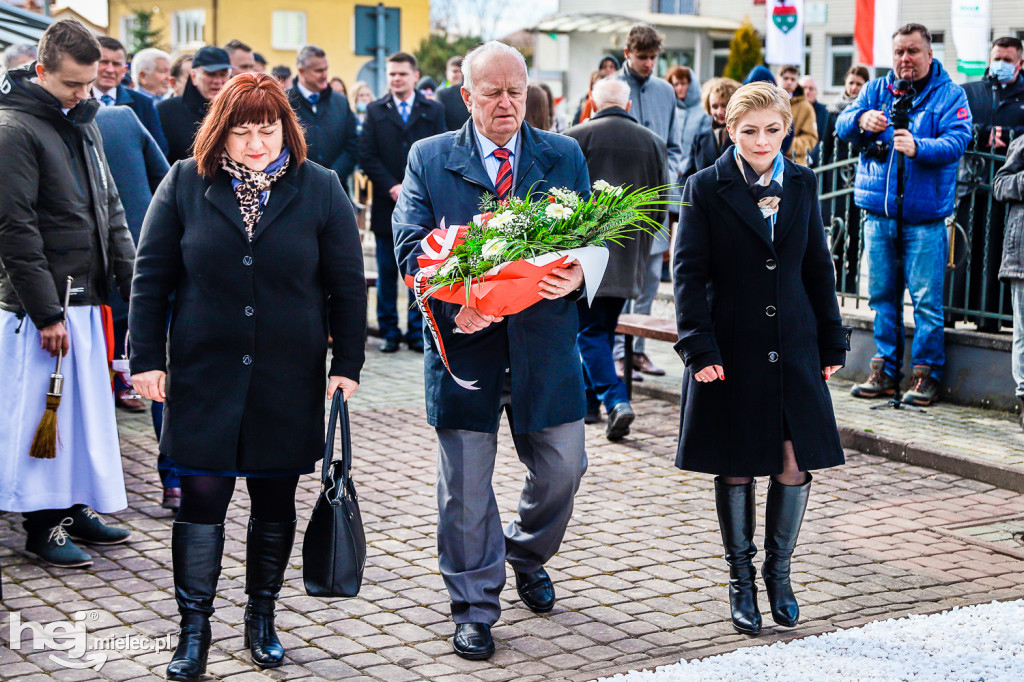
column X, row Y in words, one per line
column 783, row 516
column 196, row 549
column 735, row 505
column 268, row 547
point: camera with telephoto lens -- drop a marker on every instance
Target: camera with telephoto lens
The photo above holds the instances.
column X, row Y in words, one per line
column 899, row 117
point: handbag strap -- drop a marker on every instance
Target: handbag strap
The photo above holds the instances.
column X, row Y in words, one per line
column 339, row 408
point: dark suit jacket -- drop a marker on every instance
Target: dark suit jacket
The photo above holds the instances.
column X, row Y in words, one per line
column 330, row 131
column 384, row 147
column 445, row 180
column 766, row 311
column 180, row 118
column 144, row 107
column 455, row 111
column 249, row 321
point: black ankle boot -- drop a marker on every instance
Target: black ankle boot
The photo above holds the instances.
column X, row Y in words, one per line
column 196, row 549
column 783, row 516
column 735, row 505
column 268, row 547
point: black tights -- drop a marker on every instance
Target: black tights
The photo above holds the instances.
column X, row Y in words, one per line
column 205, row 499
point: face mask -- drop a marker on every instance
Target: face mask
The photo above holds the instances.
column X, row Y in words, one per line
column 361, row 107
column 1003, row 71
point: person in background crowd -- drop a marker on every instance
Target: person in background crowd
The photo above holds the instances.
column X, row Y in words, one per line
column 709, row 144
column 805, row 129
column 292, row 269
column 605, row 68
column 751, row 240
column 151, row 71
column 623, row 153
column 364, row 95
column 997, row 107
column 18, row 54
column 137, row 166
column 427, row 86
column 181, row 116
column 558, row 124
column 283, row 75
column 820, row 116
column 261, row 63
column 693, row 121
column 109, row 91
column 940, row 128
column 538, row 111
column 180, row 73
column 60, row 216
column 241, row 57
column 654, row 107
column 833, row 151
column 325, row 116
column 1008, row 186
column 526, row 364
column 393, row 123
column 338, row 86
column 450, row 95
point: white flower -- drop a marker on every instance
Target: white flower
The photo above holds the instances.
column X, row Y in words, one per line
column 449, row 267
column 558, row 212
column 567, row 197
column 602, row 186
column 500, row 219
column 493, row 247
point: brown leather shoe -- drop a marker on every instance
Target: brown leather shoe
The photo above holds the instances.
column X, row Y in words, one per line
column 642, row 363
column 620, row 370
column 130, row 404
column 172, row 499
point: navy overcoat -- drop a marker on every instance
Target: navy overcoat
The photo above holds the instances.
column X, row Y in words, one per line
column 445, row 179
column 764, row 310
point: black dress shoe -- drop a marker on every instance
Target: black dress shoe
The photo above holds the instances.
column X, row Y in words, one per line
column 593, row 415
column 473, row 641
column 619, row 419
column 389, row 346
column 536, row 590
column 415, row 345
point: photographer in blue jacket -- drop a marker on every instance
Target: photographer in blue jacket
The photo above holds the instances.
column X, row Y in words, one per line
column 933, row 142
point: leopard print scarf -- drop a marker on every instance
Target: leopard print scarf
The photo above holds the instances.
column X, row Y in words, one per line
column 253, row 187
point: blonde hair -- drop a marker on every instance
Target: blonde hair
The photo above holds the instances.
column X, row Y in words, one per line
column 756, row 97
column 723, row 87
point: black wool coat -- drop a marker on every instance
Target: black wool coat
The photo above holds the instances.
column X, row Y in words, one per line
column 249, row 322
column 455, row 111
column 330, row 130
column 384, row 148
column 180, row 118
column 767, row 313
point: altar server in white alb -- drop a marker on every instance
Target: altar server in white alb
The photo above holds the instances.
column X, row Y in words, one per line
column 60, row 216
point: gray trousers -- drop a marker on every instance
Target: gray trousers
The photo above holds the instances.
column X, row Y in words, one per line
column 471, row 546
column 1017, row 358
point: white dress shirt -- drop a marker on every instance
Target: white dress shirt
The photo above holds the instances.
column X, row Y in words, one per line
column 492, row 163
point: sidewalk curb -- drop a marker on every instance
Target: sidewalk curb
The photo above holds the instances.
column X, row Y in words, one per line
column 911, row 452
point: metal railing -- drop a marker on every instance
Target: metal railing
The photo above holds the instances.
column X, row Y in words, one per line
column 973, row 292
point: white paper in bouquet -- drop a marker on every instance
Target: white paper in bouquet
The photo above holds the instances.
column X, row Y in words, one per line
column 593, row 260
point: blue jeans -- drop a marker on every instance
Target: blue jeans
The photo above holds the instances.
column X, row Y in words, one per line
column 595, row 339
column 387, row 296
column 924, row 253
column 641, row 305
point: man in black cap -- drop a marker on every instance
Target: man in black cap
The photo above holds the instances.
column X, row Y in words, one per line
column 182, row 116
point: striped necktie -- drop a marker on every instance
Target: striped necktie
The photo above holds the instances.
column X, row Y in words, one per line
column 503, row 181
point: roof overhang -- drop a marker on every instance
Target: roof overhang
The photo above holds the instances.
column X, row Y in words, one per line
column 616, row 23
column 19, row 26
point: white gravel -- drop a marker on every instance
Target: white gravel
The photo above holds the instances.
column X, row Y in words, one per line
column 979, row 643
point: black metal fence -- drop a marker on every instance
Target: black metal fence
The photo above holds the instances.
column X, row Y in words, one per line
column 973, row 292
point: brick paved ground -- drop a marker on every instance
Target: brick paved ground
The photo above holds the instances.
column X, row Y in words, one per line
column 640, row 577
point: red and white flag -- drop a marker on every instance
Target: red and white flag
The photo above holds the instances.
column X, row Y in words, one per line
column 876, row 21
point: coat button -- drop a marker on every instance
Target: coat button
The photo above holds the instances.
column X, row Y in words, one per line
column 246, row 359
column 770, row 264
column 247, row 260
column 249, row 311
column 773, row 357
column 770, row 311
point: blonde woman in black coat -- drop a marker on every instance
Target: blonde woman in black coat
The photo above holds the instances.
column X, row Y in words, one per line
column 760, row 333
column 260, row 250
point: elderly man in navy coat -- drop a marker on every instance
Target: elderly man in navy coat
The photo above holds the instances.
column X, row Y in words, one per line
column 527, row 364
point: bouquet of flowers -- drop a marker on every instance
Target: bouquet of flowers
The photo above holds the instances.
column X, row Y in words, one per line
column 496, row 262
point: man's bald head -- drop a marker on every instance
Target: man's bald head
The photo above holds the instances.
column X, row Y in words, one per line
column 610, row 92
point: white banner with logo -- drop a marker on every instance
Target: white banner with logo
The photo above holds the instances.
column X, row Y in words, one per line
column 784, row 28
column 971, row 20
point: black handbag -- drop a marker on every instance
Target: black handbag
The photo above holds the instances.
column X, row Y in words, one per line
column 334, row 549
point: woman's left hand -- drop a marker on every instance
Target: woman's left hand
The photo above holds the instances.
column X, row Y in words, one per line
column 347, row 386
column 830, row 370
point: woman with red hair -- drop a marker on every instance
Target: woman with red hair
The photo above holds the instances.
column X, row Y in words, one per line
column 259, row 249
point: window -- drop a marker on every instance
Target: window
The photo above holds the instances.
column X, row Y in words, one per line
column 288, row 30
column 839, row 55
column 675, row 6
column 939, row 48
column 669, row 58
column 187, row 28
column 129, row 23
column 807, row 55
column 719, row 56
